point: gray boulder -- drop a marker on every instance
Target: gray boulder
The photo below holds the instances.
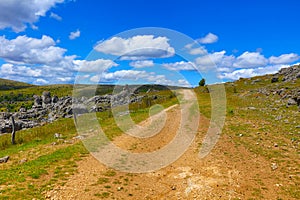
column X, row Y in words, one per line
column 37, row 101
column 274, row 79
column 290, row 73
column 46, row 98
column 55, row 99
column 4, row 159
column 291, row 101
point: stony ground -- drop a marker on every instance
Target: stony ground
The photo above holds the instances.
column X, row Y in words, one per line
column 256, row 156
column 230, row 171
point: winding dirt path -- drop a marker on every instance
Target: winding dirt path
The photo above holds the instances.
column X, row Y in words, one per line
column 230, row 175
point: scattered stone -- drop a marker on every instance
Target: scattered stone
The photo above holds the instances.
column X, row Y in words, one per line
column 4, row 159
column 68, row 141
column 240, row 135
column 275, row 145
column 22, row 110
column 58, row 135
column 291, row 176
column 278, row 118
column 47, row 109
column 263, row 91
column 274, row 166
column 37, row 101
column 290, row 73
column 120, row 188
column 173, row 187
column 23, row 161
column 291, row 101
column 256, row 81
column 298, row 126
column 55, row 99
column 46, row 98
column 274, row 79
column 79, row 137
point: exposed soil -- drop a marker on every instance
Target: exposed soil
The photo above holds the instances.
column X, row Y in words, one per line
column 228, row 172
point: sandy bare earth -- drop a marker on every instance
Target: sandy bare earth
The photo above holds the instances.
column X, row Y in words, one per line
column 217, row 176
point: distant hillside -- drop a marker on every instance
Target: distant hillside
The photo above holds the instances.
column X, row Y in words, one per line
column 15, row 95
column 10, row 85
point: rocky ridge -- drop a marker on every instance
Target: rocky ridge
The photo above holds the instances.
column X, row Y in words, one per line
column 290, row 96
column 290, row 73
column 48, row 108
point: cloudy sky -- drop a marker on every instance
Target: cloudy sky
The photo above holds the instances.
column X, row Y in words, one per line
column 90, row 41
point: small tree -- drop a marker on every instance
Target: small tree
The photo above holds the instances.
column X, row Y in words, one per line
column 202, row 82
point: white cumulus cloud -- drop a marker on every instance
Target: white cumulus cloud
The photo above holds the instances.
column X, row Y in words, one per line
column 17, row 14
column 284, row 58
column 181, row 65
column 208, row 39
column 98, row 65
column 250, row 60
column 246, row 65
column 198, row 51
column 250, row 72
column 9, row 69
column 40, row 81
column 137, row 47
column 216, row 59
column 121, row 74
column 64, row 79
column 29, row 59
column 55, row 16
column 142, row 63
column 135, row 76
column 74, row 35
column 29, row 50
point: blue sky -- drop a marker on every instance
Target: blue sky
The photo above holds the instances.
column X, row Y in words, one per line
column 47, row 42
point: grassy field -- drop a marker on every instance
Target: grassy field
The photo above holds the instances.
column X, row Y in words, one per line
column 261, row 124
column 39, row 161
column 14, row 95
column 264, row 125
column 11, row 85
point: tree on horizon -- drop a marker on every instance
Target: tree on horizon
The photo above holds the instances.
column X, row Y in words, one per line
column 202, row 82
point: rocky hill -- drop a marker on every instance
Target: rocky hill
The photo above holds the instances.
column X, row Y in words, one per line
column 290, row 74
column 47, row 108
column 287, row 93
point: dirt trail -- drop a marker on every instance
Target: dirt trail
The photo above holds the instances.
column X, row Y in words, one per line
column 218, row 176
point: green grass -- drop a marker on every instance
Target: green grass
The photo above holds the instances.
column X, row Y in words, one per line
column 109, row 173
column 257, row 130
column 43, row 160
column 102, row 180
column 48, row 165
column 20, row 174
column 29, row 138
column 11, row 85
column 21, row 94
column 102, row 195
